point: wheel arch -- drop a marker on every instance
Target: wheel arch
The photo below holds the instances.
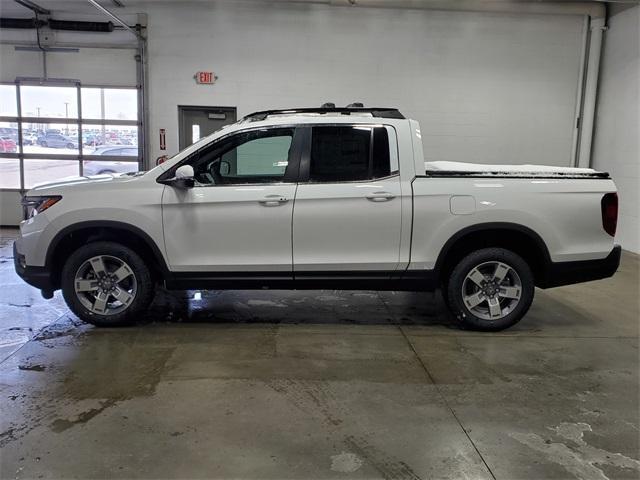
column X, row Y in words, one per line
column 515, row 237
column 75, row 235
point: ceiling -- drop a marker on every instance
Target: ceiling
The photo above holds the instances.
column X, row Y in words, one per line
column 9, row 8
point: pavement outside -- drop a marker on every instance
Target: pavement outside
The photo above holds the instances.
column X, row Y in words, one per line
column 321, row 384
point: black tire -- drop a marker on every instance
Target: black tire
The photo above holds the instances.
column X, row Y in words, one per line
column 455, row 295
column 70, row 146
column 145, row 286
column 44, row 144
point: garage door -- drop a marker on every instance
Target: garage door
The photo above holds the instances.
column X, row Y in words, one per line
column 60, row 127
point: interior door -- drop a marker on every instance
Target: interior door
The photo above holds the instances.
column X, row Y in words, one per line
column 237, row 217
column 347, row 215
column 197, row 122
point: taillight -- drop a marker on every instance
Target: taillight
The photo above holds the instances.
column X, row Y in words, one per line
column 610, row 213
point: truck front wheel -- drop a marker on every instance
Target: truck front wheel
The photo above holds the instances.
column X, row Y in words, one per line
column 106, row 284
column 490, row 289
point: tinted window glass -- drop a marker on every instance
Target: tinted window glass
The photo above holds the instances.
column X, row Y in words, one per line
column 259, row 156
column 343, row 153
column 381, row 162
column 340, row 154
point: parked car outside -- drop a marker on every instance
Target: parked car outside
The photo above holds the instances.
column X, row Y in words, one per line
column 29, row 139
column 92, row 140
column 97, row 167
column 57, row 140
column 7, row 145
column 9, row 132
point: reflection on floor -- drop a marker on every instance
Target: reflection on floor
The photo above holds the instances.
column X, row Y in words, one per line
column 320, row 384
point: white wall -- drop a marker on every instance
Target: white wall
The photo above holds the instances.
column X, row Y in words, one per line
column 617, row 130
column 97, row 66
column 487, row 88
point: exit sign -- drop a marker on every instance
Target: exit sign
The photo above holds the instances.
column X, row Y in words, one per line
column 206, row 78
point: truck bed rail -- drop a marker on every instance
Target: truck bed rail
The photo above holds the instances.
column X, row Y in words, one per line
column 506, row 174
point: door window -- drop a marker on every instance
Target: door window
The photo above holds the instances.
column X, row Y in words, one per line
column 258, row 156
column 349, row 153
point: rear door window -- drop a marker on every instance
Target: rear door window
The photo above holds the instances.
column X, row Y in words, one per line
column 349, row 153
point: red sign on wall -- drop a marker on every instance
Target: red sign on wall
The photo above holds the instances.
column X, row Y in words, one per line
column 205, row 77
column 163, row 139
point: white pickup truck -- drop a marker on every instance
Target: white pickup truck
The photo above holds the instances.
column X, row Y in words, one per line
column 337, row 198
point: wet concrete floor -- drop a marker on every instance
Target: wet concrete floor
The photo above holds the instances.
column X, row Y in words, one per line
column 321, row 384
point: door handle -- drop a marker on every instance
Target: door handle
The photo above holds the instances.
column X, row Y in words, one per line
column 380, row 196
column 273, row 200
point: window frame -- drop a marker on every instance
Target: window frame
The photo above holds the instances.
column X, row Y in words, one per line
column 291, row 173
column 305, row 162
column 79, row 122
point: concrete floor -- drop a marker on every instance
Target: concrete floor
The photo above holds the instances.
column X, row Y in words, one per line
column 322, row 384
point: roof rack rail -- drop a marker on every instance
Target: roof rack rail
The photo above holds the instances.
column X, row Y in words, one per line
column 379, row 112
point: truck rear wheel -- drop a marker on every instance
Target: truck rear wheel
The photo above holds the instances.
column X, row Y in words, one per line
column 490, row 289
column 106, row 284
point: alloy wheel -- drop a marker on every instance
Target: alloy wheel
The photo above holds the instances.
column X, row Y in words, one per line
column 105, row 285
column 491, row 290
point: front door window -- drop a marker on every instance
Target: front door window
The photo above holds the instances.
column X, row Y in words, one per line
column 256, row 156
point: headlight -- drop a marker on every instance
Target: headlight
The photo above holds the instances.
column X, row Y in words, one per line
column 37, row 205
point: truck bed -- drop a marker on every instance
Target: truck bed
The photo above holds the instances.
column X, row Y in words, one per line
column 561, row 205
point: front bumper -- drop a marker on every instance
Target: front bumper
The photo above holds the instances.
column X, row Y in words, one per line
column 39, row 277
column 567, row 273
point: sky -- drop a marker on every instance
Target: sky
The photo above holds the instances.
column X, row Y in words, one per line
column 119, row 104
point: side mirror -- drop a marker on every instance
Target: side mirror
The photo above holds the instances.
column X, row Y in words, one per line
column 185, row 171
column 183, row 177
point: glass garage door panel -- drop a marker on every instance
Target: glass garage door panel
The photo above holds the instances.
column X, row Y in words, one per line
column 110, row 140
column 54, row 102
column 9, row 173
column 8, row 104
column 51, row 139
column 110, row 103
column 44, row 171
column 8, row 137
column 93, row 167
